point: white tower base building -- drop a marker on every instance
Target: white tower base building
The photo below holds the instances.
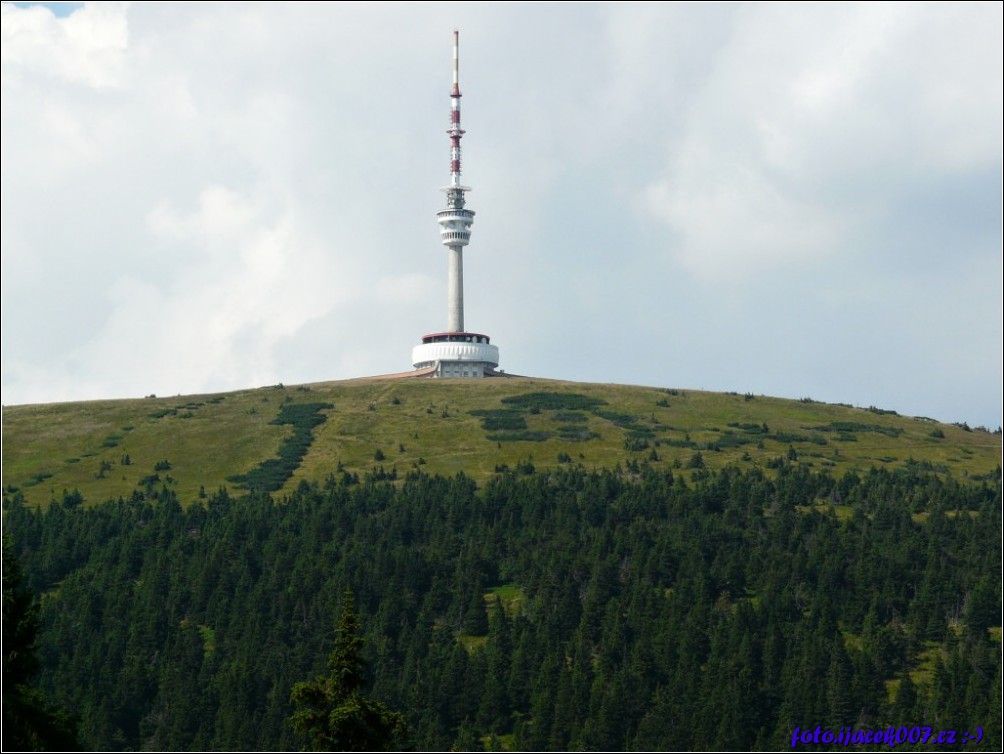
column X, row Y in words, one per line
column 456, row 354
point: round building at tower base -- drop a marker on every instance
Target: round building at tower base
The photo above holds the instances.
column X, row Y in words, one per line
column 456, row 354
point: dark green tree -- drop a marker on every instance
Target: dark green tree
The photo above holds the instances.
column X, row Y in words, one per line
column 332, row 710
column 30, row 721
column 475, row 617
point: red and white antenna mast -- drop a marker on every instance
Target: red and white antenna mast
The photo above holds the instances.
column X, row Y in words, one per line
column 456, row 220
column 456, row 132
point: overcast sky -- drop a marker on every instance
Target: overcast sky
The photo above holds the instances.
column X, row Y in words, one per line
column 796, row 200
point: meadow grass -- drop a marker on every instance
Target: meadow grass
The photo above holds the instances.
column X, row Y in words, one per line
column 428, row 425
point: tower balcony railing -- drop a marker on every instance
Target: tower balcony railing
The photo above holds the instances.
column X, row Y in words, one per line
column 452, row 212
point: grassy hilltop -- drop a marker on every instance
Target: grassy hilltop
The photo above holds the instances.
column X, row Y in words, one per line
column 106, row 449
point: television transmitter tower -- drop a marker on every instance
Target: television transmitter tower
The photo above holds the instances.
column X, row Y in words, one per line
column 455, row 352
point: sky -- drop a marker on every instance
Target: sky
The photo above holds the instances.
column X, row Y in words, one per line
column 796, row 200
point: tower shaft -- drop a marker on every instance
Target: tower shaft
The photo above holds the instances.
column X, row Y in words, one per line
column 455, row 291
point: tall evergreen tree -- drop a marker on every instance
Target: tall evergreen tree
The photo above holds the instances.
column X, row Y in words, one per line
column 30, row 721
column 332, row 710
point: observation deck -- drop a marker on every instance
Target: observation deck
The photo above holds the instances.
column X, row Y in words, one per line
column 455, row 225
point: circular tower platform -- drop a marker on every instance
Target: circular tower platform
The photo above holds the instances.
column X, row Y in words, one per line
column 456, row 354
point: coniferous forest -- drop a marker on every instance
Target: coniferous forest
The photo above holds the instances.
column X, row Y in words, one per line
column 565, row 609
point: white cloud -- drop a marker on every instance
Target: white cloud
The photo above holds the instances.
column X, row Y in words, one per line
column 741, row 224
column 814, row 120
column 215, row 321
column 86, row 47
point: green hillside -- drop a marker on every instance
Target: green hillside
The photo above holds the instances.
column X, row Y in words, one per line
column 386, row 428
column 537, row 565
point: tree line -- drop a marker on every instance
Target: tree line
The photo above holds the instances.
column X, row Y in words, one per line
column 567, row 609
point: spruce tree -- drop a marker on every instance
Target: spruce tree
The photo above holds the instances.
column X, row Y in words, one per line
column 30, row 721
column 332, row 710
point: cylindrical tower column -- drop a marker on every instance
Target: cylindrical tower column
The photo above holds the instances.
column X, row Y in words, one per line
column 455, row 293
